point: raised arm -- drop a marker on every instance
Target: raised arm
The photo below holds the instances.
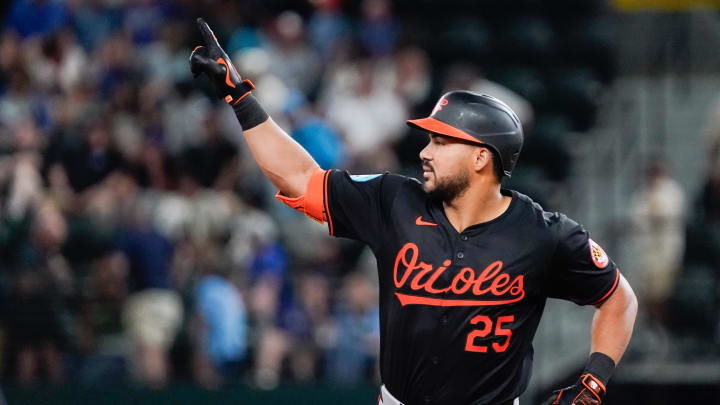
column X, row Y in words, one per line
column 286, row 164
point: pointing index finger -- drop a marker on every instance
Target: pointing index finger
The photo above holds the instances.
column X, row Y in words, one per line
column 207, row 33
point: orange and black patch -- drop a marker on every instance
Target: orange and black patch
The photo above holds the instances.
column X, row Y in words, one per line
column 598, row 255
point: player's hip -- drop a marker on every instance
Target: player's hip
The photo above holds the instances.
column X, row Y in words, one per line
column 386, row 398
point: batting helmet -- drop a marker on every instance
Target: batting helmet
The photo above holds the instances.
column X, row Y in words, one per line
column 477, row 118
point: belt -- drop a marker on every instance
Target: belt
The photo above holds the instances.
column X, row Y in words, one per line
column 386, row 398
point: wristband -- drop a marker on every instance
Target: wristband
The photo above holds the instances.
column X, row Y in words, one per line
column 249, row 112
column 601, row 366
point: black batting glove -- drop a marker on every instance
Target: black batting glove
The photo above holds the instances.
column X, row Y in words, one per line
column 589, row 390
column 212, row 60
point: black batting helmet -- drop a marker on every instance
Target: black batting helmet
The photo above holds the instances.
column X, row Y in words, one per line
column 477, row 118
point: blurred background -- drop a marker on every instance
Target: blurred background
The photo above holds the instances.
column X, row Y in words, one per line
column 143, row 258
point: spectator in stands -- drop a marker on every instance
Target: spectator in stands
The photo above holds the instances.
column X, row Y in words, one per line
column 66, row 62
column 379, row 29
column 34, row 316
column 292, row 59
column 183, row 115
column 36, row 17
column 100, row 337
column 94, row 158
column 314, row 133
column 94, row 22
column 410, row 76
column 220, row 331
column 270, row 87
column 328, row 28
column 354, row 353
column 268, row 298
column 153, row 313
column 658, row 212
column 36, row 334
column 18, row 103
column 212, row 163
column 140, row 20
column 308, row 324
column 368, row 115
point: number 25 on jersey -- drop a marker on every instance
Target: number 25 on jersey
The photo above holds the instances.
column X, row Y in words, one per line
column 486, row 326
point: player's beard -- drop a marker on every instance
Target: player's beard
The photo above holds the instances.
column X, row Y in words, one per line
column 448, row 188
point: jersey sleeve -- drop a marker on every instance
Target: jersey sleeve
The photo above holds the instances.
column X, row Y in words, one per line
column 358, row 207
column 581, row 271
column 354, row 206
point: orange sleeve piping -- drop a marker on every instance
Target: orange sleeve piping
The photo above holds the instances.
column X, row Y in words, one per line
column 325, row 200
column 612, row 289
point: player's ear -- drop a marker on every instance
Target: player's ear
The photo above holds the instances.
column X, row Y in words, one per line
column 483, row 158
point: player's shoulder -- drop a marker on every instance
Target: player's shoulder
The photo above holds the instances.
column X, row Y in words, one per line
column 385, row 179
column 528, row 207
column 553, row 221
column 388, row 186
column 525, row 201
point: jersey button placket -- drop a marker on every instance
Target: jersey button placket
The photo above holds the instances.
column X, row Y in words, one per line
column 435, row 360
column 464, row 237
column 460, row 255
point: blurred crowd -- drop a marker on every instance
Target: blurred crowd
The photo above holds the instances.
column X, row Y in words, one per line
column 674, row 243
column 139, row 241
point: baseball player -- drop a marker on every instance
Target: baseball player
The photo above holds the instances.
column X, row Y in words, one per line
column 465, row 266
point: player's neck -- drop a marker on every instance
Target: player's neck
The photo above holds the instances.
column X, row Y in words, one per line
column 478, row 204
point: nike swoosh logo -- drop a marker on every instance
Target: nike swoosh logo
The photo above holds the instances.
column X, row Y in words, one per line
column 420, row 222
column 227, row 72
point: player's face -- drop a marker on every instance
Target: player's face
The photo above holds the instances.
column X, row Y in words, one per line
column 445, row 168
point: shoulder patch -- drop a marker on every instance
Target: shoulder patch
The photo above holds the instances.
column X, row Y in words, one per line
column 363, row 177
column 598, row 255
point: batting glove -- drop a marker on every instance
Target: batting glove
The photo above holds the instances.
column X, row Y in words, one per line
column 212, row 60
column 589, row 390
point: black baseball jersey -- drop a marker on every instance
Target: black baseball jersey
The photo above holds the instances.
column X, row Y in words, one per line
column 458, row 311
